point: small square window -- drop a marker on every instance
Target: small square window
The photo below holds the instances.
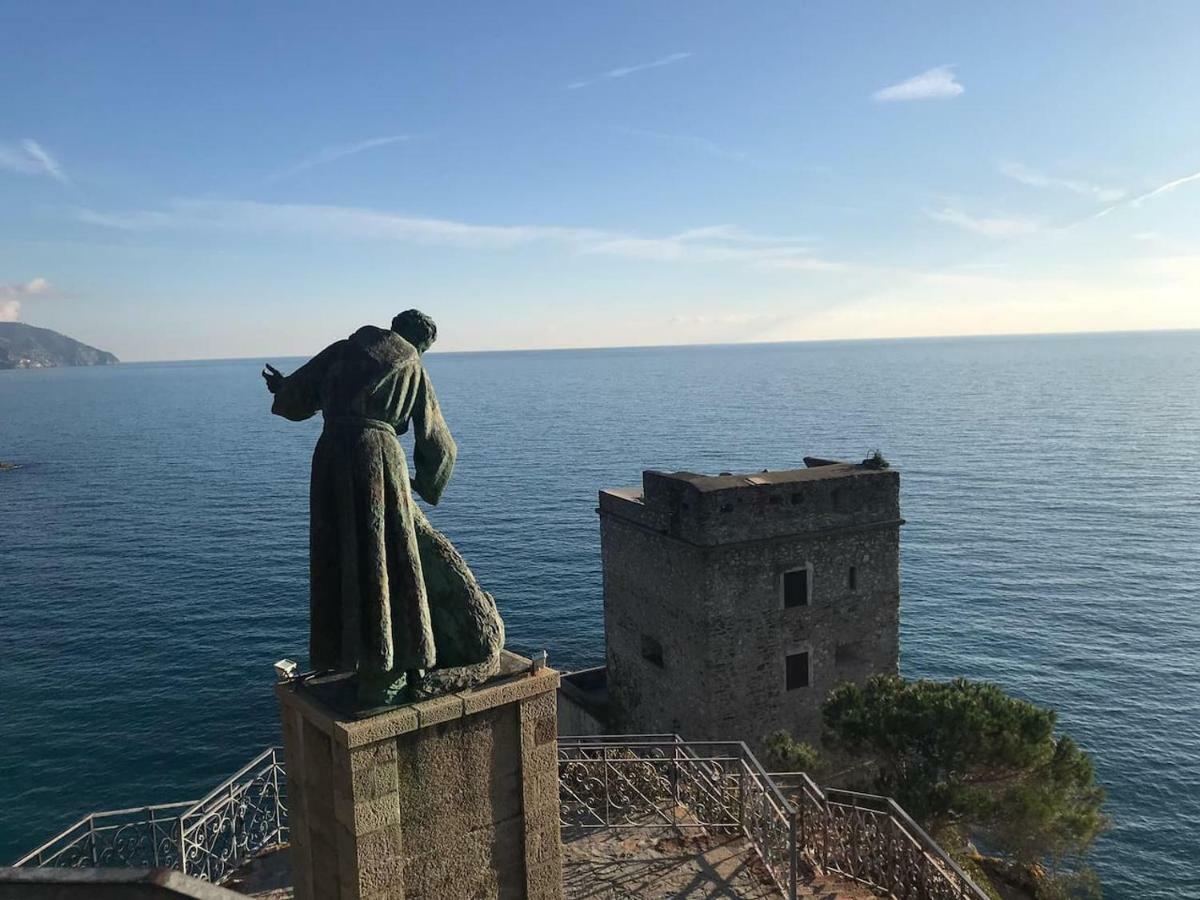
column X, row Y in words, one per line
column 797, row 670
column 652, row 651
column 795, row 588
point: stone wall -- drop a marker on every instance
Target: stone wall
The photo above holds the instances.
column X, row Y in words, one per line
column 583, row 702
column 696, row 628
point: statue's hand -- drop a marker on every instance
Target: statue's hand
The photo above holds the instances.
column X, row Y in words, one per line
column 273, row 377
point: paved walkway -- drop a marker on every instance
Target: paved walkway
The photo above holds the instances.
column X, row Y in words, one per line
column 613, row 865
column 610, row 864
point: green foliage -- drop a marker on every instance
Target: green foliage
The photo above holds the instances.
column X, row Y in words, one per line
column 965, row 759
column 786, row 754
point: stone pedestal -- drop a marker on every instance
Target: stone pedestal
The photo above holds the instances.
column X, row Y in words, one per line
column 455, row 797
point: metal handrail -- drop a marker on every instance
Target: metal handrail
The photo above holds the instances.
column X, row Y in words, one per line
column 225, row 786
column 814, row 826
column 904, row 823
column 907, row 825
column 167, row 834
column 711, row 767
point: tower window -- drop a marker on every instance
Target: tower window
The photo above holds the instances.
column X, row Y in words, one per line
column 852, row 578
column 652, row 651
column 795, row 588
column 797, row 670
column 837, row 498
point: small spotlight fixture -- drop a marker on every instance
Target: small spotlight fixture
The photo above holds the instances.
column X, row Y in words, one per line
column 539, row 661
column 285, row 670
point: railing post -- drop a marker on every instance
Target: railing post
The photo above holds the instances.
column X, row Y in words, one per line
column 278, row 805
column 825, row 847
column 182, row 845
column 607, row 805
column 890, row 860
column 92, row 840
column 153, row 837
column 792, row 861
column 674, row 785
column 743, row 768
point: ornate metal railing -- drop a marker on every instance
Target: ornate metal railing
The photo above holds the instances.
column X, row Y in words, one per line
column 245, row 814
column 206, row 838
column 661, row 781
column 146, row 836
column 653, row 781
column 872, row 840
column 639, row 781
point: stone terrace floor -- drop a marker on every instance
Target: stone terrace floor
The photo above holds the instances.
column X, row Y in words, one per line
column 612, row 865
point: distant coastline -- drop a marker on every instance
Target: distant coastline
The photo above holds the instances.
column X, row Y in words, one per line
column 815, row 342
column 27, row 347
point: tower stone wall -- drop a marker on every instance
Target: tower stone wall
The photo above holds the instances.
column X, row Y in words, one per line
column 702, row 615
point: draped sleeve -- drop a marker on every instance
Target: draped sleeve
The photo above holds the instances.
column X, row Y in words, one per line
column 300, row 395
column 434, row 450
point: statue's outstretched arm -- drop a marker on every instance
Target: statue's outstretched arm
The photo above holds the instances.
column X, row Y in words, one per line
column 298, row 396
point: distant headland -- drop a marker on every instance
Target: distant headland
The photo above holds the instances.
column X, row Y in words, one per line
column 26, row 347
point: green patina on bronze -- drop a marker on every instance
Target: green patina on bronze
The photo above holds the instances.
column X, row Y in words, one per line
column 390, row 597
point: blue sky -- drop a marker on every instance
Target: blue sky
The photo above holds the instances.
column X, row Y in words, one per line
column 250, row 179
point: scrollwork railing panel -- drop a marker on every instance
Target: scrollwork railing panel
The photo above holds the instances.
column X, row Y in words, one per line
column 208, row 838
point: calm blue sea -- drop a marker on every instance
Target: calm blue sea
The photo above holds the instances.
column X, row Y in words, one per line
column 153, row 543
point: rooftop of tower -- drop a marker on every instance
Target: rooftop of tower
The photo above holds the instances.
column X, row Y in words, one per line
column 731, row 507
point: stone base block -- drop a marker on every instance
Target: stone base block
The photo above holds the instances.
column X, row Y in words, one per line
column 454, row 797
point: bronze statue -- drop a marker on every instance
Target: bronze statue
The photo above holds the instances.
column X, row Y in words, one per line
column 390, row 597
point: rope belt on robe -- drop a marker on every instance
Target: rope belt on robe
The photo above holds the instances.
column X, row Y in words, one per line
column 359, row 423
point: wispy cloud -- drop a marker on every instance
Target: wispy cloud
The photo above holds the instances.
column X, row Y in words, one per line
column 934, row 84
column 333, row 221
column 988, row 227
column 715, row 243
column 1164, row 188
column 11, row 296
column 1034, row 178
column 28, row 157
column 336, row 152
column 624, row 71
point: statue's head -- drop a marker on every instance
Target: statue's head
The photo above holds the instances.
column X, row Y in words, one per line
column 416, row 328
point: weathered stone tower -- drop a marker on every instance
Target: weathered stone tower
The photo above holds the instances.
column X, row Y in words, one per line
column 734, row 603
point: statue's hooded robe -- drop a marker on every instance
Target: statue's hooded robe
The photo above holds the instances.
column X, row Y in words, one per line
column 369, row 605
